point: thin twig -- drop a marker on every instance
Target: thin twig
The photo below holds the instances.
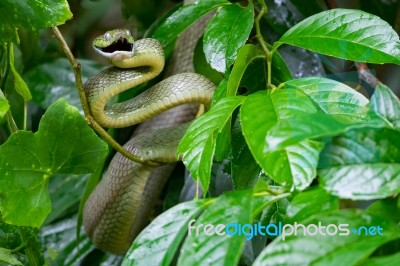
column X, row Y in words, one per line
column 77, row 71
column 366, row 75
column 261, row 41
column 85, row 104
column 331, row 4
column 397, row 21
column 12, row 126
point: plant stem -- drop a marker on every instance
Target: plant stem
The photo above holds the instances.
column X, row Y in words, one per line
column 25, row 115
column 261, row 41
column 85, row 104
column 12, row 126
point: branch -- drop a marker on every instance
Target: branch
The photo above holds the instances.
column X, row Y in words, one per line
column 261, row 41
column 366, row 75
column 331, row 4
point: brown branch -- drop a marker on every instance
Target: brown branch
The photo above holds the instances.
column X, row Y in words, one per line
column 331, row 4
column 397, row 22
column 366, row 75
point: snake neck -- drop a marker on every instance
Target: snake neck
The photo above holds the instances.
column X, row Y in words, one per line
column 147, row 61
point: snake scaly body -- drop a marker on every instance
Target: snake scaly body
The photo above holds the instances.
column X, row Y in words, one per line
column 118, row 208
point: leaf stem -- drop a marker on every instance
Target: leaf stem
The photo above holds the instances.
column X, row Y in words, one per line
column 25, row 115
column 12, row 126
column 261, row 41
column 85, row 104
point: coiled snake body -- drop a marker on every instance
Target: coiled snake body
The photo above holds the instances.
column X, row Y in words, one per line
column 118, row 208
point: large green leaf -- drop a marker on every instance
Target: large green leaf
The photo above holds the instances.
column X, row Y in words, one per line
column 64, row 143
column 245, row 172
column 385, row 208
column 350, row 248
column 227, row 31
column 390, row 260
column 183, row 18
column 30, row 15
column 247, row 54
column 346, row 33
column 332, row 97
column 295, row 165
column 386, row 103
column 198, row 144
column 362, row 164
column 201, row 248
column 304, row 127
column 261, row 112
column 249, row 70
column 310, row 202
column 158, row 242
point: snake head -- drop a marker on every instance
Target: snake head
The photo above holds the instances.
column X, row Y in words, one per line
column 115, row 45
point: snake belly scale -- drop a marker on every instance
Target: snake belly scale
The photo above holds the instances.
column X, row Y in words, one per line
column 118, row 208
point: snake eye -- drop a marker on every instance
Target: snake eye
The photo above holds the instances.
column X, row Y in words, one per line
column 107, row 36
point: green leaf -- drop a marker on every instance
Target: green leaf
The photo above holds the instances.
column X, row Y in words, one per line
column 227, row 31
column 261, row 112
column 346, row 249
column 245, row 171
column 19, row 84
column 362, row 164
column 310, row 202
column 246, row 55
column 7, row 257
column 202, row 67
column 158, row 242
column 203, row 249
column 304, row 127
column 390, row 260
column 295, row 165
column 332, row 97
column 386, row 208
column 4, row 105
column 198, row 144
column 52, row 81
column 183, row 18
column 64, row 143
column 386, row 103
column 30, row 15
column 346, row 33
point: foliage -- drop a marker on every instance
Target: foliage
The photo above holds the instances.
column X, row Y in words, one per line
column 308, row 150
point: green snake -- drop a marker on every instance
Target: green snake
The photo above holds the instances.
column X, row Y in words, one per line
column 118, row 208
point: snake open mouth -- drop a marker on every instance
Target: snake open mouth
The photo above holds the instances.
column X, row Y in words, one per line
column 121, row 44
